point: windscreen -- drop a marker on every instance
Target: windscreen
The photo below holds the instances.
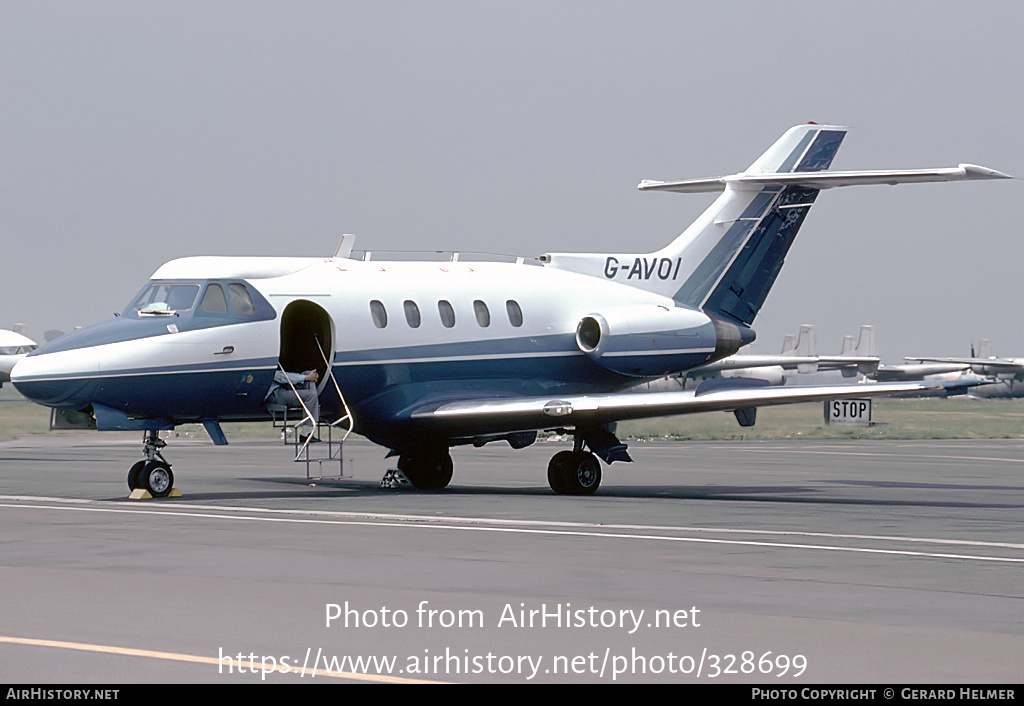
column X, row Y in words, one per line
column 166, row 298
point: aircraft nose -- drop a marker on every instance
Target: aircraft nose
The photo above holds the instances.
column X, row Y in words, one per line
column 65, row 379
column 7, row 363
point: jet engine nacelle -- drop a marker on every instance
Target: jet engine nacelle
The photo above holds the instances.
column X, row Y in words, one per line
column 651, row 340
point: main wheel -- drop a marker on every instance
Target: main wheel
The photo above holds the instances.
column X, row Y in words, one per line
column 574, row 473
column 427, row 470
column 156, row 477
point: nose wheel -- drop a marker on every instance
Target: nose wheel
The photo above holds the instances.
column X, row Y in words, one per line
column 153, row 474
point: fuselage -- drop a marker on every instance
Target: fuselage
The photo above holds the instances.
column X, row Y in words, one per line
column 1006, row 383
column 204, row 337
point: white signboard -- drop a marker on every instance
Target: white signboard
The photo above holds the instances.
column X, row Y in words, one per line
column 852, row 412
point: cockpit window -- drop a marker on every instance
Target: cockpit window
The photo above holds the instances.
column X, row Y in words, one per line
column 167, row 298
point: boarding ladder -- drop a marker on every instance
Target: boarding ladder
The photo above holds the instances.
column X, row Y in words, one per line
column 332, row 435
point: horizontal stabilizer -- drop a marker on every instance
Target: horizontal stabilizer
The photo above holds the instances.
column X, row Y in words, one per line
column 826, row 180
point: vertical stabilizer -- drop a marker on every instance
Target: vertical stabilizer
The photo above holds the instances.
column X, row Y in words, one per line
column 985, row 348
column 728, row 259
column 807, row 340
column 738, row 253
column 789, row 344
column 866, row 343
column 807, row 346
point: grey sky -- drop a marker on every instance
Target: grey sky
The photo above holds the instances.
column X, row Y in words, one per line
column 135, row 132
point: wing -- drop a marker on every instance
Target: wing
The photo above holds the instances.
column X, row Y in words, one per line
column 507, row 414
column 805, row 363
column 741, row 361
column 1006, row 363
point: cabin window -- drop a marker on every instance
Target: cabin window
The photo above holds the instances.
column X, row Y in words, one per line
column 444, row 308
column 412, row 313
column 515, row 314
column 379, row 314
column 483, row 316
column 240, row 299
column 214, row 301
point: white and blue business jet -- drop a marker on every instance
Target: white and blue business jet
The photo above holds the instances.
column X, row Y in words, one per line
column 427, row 355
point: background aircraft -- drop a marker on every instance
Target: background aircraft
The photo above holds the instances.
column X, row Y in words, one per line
column 423, row 356
column 867, row 345
column 799, row 356
column 13, row 347
column 1006, row 375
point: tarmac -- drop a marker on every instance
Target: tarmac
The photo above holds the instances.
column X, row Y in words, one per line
column 780, row 563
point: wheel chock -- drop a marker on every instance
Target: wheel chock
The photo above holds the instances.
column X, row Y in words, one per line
column 143, row 494
column 394, row 478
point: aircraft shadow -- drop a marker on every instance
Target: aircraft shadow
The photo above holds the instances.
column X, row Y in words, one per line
column 324, row 489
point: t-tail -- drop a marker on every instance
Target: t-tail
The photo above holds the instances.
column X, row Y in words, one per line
column 726, row 262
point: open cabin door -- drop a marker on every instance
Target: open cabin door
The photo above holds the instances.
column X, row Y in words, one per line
column 307, row 340
column 307, row 343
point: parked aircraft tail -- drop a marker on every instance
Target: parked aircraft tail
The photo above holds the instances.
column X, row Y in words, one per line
column 866, row 343
column 985, row 348
column 804, row 345
column 726, row 262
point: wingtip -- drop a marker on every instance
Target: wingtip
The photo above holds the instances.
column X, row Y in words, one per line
column 975, row 171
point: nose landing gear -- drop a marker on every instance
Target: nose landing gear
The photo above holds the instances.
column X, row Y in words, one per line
column 152, row 474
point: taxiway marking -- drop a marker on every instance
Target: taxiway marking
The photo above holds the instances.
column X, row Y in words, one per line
column 537, row 527
column 179, row 657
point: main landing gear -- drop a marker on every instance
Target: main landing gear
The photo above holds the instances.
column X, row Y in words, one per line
column 154, row 472
column 578, row 472
column 427, row 469
column 569, row 473
column 574, row 473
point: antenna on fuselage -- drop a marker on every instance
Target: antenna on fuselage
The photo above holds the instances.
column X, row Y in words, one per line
column 345, row 245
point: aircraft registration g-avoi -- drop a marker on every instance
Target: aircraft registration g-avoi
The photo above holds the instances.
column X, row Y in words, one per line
column 423, row 356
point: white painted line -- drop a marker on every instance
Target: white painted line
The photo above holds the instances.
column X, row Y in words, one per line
column 551, row 529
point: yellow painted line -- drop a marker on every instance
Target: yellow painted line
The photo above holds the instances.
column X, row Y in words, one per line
column 178, row 657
